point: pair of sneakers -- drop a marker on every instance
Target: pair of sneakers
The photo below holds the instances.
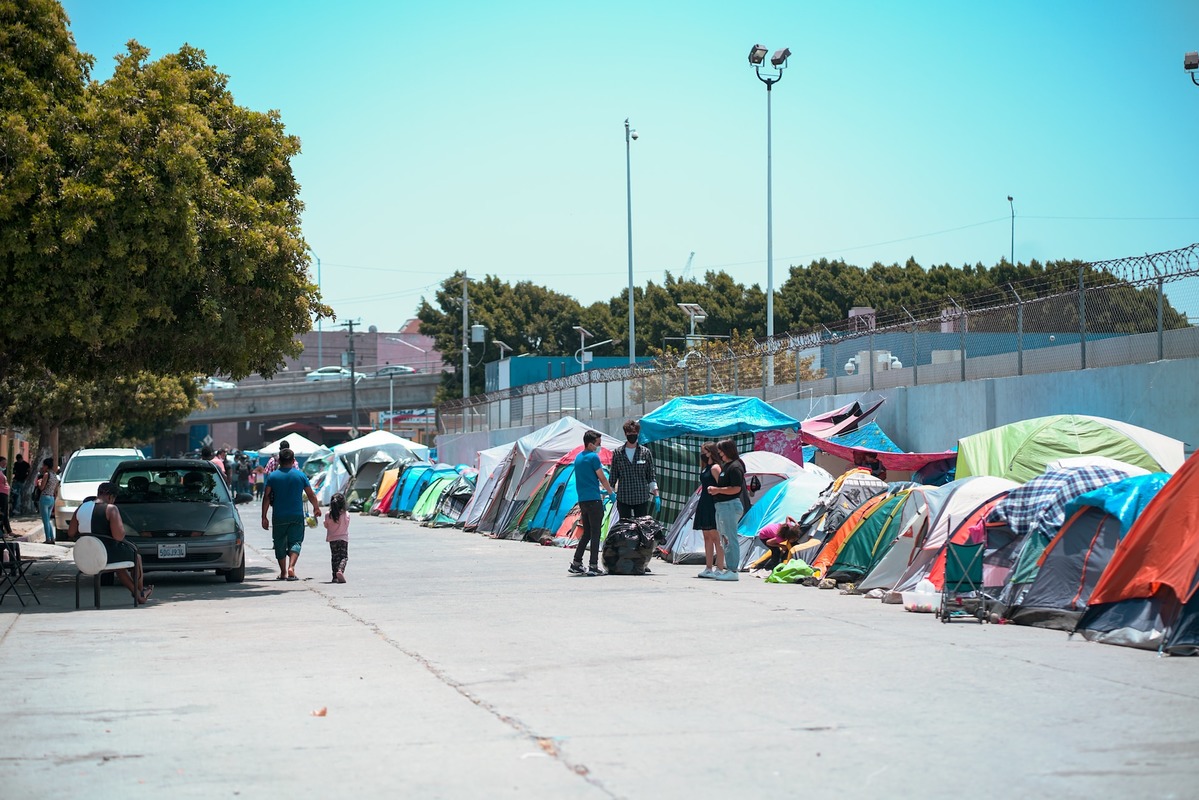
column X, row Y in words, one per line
column 577, row 569
column 718, row 574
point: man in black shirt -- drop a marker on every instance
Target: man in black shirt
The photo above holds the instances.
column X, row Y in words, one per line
column 20, row 477
column 99, row 517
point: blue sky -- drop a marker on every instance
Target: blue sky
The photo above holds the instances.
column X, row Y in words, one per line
column 489, row 136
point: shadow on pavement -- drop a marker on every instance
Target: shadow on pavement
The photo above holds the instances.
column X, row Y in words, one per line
column 55, row 587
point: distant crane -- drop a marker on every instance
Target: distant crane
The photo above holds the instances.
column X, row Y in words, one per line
column 687, row 268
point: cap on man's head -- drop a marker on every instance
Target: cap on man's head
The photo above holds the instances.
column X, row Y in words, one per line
column 106, row 488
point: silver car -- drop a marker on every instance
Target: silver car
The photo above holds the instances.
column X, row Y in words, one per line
column 85, row 470
column 180, row 515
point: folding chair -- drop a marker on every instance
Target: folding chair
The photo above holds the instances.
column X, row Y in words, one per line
column 12, row 573
column 962, row 596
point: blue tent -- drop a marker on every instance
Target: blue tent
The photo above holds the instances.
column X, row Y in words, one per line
column 713, row 416
column 869, row 436
column 416, row 479
column 791, row 498
column 559, row 498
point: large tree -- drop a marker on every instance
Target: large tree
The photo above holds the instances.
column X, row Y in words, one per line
column 151, row 222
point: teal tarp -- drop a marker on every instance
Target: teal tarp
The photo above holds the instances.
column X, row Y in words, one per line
column 1124, row 500
column 712, row 416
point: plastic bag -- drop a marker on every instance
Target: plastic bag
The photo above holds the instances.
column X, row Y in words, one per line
column 630, row 545
column 793, row 571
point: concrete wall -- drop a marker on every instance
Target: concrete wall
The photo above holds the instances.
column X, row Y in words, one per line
column 1161, row 396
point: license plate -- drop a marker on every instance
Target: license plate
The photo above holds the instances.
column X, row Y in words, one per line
column 172, row 550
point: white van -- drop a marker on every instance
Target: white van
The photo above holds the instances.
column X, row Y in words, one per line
column 85, row 470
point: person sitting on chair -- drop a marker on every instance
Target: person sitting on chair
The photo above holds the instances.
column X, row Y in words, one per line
column 193, row 487
column 98, row 516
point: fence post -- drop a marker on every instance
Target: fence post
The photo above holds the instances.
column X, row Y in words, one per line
column 833, row 366
column 915, row 348
column 709, row 386
column 1019, row 331
column 1161, row 316
column 871, row 359
column 736, row 389
column 798, row 377
column 767, row 369
column 1082, row 318
column 643, row 394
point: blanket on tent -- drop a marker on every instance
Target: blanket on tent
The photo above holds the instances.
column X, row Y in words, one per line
column 677, row 463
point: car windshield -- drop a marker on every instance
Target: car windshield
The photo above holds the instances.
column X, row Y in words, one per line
column 179, row 485
column 91, row 469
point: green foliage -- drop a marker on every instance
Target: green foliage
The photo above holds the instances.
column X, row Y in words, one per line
column 147, row 221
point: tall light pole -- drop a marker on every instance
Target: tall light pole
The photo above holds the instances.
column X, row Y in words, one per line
column 320, row 333
column 1012, row 259
column 1190, row 62
column 629, row 136
column 778, row 61
column 465, row 340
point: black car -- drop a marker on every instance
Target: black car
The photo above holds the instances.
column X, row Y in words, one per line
column 181, row 516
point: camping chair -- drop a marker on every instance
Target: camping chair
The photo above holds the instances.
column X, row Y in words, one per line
column 962, row 595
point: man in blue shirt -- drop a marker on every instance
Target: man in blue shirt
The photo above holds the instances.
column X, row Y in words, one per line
column 589, row 479
column 285, row 490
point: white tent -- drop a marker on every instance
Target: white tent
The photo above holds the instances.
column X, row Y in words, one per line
column 489, row 462
column 300, row 445
column 348, row 455
column 513, row 483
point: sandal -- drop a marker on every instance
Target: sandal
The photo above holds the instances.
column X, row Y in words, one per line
column 292, row 578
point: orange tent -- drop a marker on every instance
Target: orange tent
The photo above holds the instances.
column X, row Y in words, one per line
column 829, row 553
column 1147, row 595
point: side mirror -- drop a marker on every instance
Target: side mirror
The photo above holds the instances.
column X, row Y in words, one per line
column 242, row 497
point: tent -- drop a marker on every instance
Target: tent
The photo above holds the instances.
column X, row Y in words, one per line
column 790, row 498
column 923, row 504
column 426, row 505
column 360, row 488
column 413, row 483
column 1147, row 595
column 515, row 480
column 838, row 501
column 454, row 500
column 388, row 481
column 1022, row 450
column 488, row 463
column 349, row 456
column 870, row 540
column 686, row 545
column 675, row 431
column 965, row 499
column 1075, row 559
column 300, row 445
column 831, row 424
column 553, row 498
column 1033, row 513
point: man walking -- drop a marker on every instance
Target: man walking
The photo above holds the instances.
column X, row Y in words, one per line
column 589, row 479
column 633, row 474
column 286, row 488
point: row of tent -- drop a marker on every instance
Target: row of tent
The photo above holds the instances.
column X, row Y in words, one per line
column 1060, row 503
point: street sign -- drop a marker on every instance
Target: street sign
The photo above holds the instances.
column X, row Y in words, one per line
column 206, row 441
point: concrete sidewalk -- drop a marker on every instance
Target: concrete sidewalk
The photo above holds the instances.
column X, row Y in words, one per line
column 456, row 666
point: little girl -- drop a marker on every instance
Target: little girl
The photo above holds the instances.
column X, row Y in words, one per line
column 337, row 527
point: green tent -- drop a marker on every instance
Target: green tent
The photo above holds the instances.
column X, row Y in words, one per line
column 426, row 504
column 871, row 541
column 1022, row 450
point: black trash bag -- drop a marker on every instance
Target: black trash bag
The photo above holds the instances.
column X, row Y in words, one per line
column 630, row 545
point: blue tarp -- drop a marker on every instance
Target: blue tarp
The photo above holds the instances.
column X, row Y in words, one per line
column 791, row 498
column 870, row 436
column 712, row 415
column 1124, row 500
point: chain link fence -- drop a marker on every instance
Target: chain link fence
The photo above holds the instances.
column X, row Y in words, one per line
column 1102, row 314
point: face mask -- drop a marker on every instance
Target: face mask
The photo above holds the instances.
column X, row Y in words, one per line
column 632, row 439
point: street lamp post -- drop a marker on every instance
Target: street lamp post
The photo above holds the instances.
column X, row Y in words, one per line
column 1190, row 62
column 757, row 55
column 1012, row 258
column 320, row 333
column 629, row 136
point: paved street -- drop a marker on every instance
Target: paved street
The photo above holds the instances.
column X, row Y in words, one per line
column 456, row 666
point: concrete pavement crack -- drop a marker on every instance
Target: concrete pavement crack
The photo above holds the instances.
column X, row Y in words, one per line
column 546, row 744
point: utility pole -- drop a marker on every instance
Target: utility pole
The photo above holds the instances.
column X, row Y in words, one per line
column 465, row 340
column 349, row 324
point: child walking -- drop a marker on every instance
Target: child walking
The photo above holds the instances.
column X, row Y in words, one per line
column 337, row 534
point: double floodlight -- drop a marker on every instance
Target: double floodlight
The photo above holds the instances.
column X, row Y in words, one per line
column 757, row 56
column 1190, row 61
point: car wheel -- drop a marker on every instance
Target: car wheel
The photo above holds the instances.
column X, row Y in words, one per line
column 238, row 574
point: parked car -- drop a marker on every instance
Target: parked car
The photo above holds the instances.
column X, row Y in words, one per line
column 85, row 470
column 328, row 374
column 394, row 370
column 181, row 516
column 216, row 383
